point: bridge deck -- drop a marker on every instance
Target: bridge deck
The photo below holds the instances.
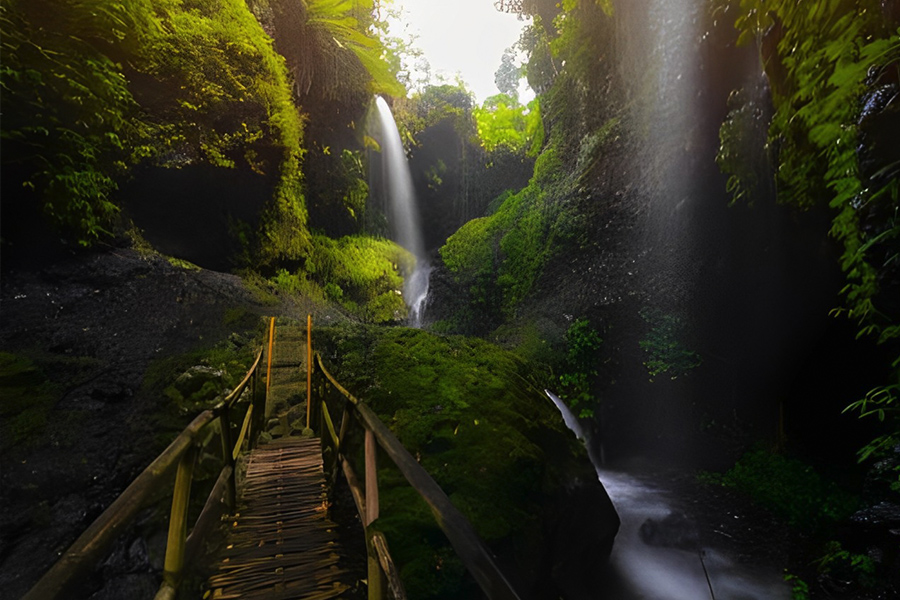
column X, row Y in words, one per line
column 281, row 544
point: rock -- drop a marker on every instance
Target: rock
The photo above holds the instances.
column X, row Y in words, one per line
column 676, row 530
column 192, row 381
column 136, row 585
column 111, row 392
column 582, row 539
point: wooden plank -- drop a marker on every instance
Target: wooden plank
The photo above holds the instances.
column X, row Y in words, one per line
column 398, row 592
column 465, row 541
column 244, row 428
column 355, row 488
column 269, row 359
column 217, row 502
column 371, row 478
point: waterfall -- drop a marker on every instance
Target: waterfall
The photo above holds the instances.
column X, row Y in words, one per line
column 402, row 212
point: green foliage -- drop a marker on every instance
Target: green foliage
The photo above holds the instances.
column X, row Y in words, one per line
column 789, row 488
column 799, row 588
column 844, row 563
column 742, row 147
column 818, row 72
column 363, row 274
column 499, row 258
column 818, row 59
column 583, row 344
column 504, row 123
column 664, row 346
column 92, row 89
column 432, row 105
column 466, row 410
column 68, row 114
column 343, row 48
column 883, row 403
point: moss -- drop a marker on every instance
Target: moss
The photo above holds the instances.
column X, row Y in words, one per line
column 232, row 358
column 363, row 274
column 473, row 416
column 179, row 263
column 30, row 387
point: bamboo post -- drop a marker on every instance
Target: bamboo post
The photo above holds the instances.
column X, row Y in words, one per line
column 377, row 583
column 259, row 409
column 181, row 498
column 90, row 545
column 308, row 368
column 339, row 446
column 269, row 360
column 227, row 456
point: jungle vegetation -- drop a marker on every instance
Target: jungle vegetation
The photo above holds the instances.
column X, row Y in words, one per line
column 92, row 91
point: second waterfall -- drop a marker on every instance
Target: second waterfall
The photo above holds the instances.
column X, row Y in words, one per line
column 402, row 211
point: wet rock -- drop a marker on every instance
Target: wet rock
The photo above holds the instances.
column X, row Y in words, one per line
column 194, row 379
column 582, row 539
column 73, row 509
column 134, row 585
column 676, row 530
column 111, row 392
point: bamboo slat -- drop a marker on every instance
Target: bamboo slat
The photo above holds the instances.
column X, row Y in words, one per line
column 281, row 543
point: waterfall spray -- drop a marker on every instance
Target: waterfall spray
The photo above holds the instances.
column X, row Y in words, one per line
column 403, row 213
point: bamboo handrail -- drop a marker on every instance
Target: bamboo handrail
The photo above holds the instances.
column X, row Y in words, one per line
column 87, row 550
column 462, row 536
column 90, row 546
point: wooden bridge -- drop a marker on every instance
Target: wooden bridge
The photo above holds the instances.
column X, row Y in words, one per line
column 279, row 425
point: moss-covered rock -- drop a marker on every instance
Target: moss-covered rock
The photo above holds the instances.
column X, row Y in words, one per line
column 472, row 414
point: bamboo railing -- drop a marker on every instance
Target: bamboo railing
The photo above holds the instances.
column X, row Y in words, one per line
column 382, row 573
column 180, row 456
column 322, row 389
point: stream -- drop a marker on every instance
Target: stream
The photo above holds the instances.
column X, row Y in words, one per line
column 661, row 552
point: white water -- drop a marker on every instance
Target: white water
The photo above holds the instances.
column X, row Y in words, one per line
column 641, row 571
column 403, row 213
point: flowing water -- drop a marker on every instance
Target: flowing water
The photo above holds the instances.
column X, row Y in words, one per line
column 659, row 553
column 403, row 212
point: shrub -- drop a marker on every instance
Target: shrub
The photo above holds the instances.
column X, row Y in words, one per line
column 789, row 488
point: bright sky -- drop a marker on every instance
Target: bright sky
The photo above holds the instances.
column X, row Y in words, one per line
column 463, row 36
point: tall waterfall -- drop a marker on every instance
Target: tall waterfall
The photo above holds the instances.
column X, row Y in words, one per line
column 403, row 213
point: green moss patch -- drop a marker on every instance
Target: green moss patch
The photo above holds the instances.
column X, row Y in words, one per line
column 472, row 415
column 26, row 397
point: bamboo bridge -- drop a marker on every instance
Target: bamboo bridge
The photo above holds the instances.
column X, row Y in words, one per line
column 282, row 457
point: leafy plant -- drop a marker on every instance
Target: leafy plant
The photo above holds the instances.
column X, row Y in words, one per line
column 789, row 488
column 859, row 566
column 92, row 89
column 821, row 60
column 583, row 344
column 664, row 346
column 799, row 588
